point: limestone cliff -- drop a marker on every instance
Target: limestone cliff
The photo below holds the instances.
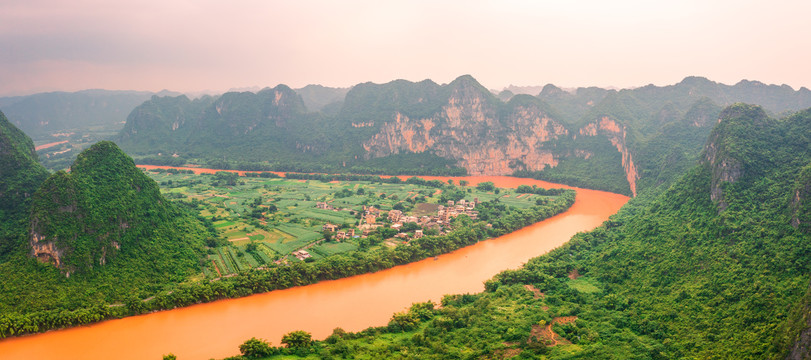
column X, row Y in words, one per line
column 731, row 145
column 616, row 134
column 470, row 129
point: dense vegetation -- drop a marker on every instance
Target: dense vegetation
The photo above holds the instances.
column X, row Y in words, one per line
column 20, row 175
column 104, row 234
column 674, row 274
column 106, row 208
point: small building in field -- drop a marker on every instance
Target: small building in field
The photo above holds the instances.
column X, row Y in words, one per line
column 301, row 254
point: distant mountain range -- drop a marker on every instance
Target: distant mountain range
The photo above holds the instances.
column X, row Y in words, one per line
column 710, row 261
column 592, row 137
column 40, row 115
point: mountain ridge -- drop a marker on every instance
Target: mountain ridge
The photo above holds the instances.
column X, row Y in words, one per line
column 465, row 123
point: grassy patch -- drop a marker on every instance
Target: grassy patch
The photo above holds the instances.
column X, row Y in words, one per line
column 585, row 285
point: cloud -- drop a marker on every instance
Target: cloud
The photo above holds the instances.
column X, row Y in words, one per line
column 202, row 44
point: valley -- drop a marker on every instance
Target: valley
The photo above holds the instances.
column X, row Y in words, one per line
column 274, row 204
column 354, row 303
column 263, row 219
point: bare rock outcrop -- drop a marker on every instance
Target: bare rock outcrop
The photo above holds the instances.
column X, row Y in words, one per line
column 616, row 134
column 469, row 128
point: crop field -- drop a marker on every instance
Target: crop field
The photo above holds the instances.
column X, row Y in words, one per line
column 260, row 221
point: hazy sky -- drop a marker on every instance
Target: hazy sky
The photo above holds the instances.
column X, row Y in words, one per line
column 192, row 45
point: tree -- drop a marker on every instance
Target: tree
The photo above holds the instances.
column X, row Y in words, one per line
column 403, row 321
column 256, row 348
column 170, row 356
column 486, row 186
column 297, row 339
column 463, row 182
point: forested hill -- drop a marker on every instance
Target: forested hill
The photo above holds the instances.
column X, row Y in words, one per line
column 100, row 234
column 103, row 209
column 717, row 266
column 20, row 175
column 598, row 138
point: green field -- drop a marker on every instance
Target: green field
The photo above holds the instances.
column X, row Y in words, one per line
column 264, row 220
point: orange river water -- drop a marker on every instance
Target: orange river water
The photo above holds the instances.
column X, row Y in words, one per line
column 215, row 330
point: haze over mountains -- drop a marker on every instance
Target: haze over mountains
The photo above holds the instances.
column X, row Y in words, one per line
column 570, row 134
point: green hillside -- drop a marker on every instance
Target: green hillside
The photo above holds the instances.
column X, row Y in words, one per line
column 675, row 274
column 100, row 234
column 20, row 176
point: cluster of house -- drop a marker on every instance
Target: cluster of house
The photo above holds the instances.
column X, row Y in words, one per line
column 341, row 234
column 370, row 214
column 396, row 217
column 443, row 215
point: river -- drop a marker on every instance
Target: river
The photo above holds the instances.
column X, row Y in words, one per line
column 215, row 330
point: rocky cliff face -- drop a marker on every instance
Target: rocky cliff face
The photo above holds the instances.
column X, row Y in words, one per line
column 616, row 133
column 53, row 232
column 731, row 145
column 724, row 169
column 470, row 129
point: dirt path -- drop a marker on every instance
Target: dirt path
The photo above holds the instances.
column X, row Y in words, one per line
column 547, row 335
column 216, row 268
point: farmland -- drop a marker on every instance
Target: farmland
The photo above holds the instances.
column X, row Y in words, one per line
column 261, row 221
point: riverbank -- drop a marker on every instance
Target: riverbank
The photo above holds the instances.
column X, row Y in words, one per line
column 219, row 332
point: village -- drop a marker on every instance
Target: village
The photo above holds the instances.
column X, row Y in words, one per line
column 264, row 221
column 372, row 218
